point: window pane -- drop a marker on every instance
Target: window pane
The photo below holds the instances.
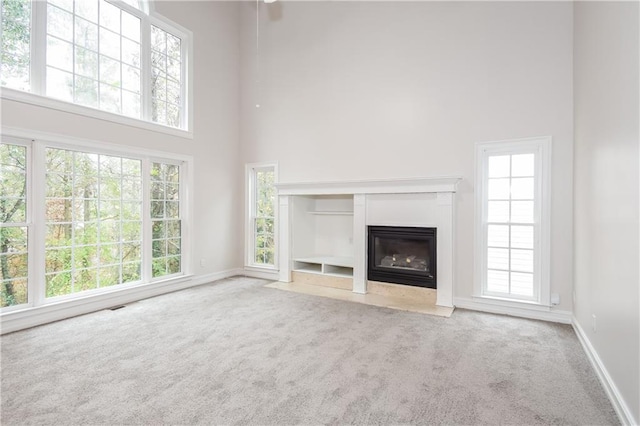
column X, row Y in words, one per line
column 498, row 189
column 499, row 166
column 110, row 44
column 158, row 39
column 498, row 211
column 109, row 16
column 498, row 236
column 59, row 84
column 522, row 237
column 522, row 211
column 498, row 281
column 88, row 9
column 522, row 165
column 86, row 91
column 109, row 98
column 59, row 54
column 86, row 63
column 130, row 26
column 59, row 23
column 522, row 260
column 498, row 258
column 522, row 284
column 522, row 188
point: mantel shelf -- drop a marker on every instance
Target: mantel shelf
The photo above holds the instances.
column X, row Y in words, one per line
column 389, row 186
column 331, row 213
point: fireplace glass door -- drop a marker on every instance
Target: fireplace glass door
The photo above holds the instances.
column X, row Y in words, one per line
column 402, row 255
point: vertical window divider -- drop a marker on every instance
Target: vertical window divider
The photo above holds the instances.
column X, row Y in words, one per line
column 147, row 258
column 37, row 71
column 145, row 68
column 38, row 285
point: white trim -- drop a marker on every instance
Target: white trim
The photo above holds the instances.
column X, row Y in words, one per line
column 622, row 410
column 273, row 275
column 31, row 317
column 541, row 147
column 74, row 143
column 549, row 314
column 71, row 108
column 387, row 186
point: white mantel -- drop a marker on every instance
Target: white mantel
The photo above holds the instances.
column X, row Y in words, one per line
column 426, row 202
column 388, row 186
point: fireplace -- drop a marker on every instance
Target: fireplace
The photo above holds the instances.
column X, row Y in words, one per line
column 402, row 255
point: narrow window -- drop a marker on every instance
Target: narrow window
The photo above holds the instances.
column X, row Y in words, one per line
column 165, row 219
column 16, row 44
column 13, row 225
column 93, row 221
column 166, row 74
column 512, row 193
column 262, row 216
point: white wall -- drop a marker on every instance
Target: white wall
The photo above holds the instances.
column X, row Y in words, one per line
column 607, row 189
column 215, row 145
column 365, row 90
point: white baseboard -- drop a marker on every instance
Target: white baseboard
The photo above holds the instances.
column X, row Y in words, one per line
column 265, row 275
column 622, row 410
column 31, row 317
column 564, row 317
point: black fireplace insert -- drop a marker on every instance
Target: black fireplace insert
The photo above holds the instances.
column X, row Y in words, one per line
column 402, row 255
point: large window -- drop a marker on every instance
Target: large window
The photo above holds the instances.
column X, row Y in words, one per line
column 93, row 218
column 14, row 260
column 91, row 214
column 262, row 215
column 107, row 55
column 512, row 200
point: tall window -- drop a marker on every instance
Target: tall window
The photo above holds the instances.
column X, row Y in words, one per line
column 262, row 215
column 165, row 219
column 90, row 221
column 513, row 194
column 104, row 54
column 13, row 224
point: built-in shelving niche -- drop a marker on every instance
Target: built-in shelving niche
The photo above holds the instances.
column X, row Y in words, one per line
column 322, row 235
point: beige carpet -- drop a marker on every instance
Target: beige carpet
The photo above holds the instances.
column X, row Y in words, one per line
column 234, row 352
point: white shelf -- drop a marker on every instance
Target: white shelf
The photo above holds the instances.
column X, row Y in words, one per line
column 325, row 265
column 332, row 213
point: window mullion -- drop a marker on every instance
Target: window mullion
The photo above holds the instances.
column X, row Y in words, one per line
column 145, row 67
column 38, row 229
column 147, row 258
column 38, row 72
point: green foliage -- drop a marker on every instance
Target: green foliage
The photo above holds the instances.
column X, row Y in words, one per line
column 15, row 45
column 93, row 216
column 13, row 238
column 264, row 222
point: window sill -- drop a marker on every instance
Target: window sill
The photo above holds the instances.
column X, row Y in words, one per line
column 511, row 303
column 30, row 316
column 59, row 105
column 260, row 268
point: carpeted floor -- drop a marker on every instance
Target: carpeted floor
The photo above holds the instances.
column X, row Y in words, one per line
column 235, row 352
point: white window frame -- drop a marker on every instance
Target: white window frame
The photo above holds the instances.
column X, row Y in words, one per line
column 541, row 147
column 31, row 281
column 37, row 142
column 37, row 95
column 250, row 209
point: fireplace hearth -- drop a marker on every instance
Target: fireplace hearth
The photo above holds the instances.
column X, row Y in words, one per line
column 402, row 255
